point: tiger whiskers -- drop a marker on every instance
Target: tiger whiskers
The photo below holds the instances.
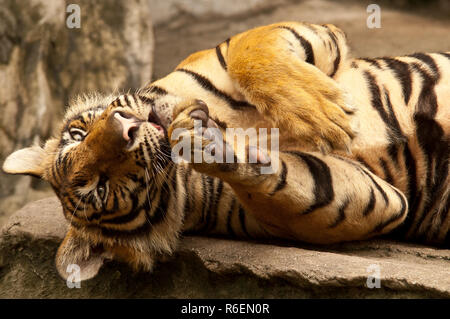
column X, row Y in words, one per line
column 76, row 207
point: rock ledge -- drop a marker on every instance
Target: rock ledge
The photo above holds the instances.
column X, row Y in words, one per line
column 219, row 268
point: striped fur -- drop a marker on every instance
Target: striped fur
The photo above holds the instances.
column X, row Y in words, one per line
column 364, row 150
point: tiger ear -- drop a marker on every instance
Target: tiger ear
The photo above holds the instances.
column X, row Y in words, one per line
column 27, row 161
column 76, row 260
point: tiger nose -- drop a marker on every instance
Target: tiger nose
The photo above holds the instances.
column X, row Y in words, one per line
column 129, row 125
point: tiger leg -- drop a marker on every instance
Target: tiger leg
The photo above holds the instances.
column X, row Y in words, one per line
column 311, row 197
column 321, row 199
column 282, row 77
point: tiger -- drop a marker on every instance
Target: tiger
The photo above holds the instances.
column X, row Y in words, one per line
column 363, row 151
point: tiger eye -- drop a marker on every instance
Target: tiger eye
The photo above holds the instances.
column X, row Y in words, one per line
column 77, row 134
column 101, row 191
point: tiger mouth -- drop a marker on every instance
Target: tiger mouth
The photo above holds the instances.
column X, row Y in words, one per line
column 156, row 122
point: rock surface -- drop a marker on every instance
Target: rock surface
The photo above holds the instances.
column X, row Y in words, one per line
column 425, row 29
column 44, row 64
column 219, row 268
column 169, row 11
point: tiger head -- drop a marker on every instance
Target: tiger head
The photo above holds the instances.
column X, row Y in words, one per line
column 109, row 167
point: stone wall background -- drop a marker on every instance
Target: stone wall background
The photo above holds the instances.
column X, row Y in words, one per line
column 43, row 64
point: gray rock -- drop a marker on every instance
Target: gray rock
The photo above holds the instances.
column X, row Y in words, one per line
column 168, row 11
column 219, row 268
column 402, row 32
column 44, row 64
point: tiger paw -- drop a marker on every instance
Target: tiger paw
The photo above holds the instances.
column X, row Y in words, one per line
column 324, row 119
column 195, row 137
column 335, row 128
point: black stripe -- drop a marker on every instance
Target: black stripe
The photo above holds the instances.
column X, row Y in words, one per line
column 393, row 122
column 390, row 119
column 146, row 100
column 436, row 150
column 134, row 177
column 443, row 217
column 387, row 173
column 229, row 217
column 413, row 194
column 428, row 60
column 337, row 60
column 372, row 62
column 157, row 90
column 341, row 214
column 82, row 120
column 382, row 192
column 445, row 54
column 204, row 199
column 436, row 223
column 79, row 181
column 62, row 143
column 181, row 190
column 371, row 204
column 220, row 57
column 72, row 203
column 161, row 211
column 94, row 216
column 66, row 162
column 380, row 226
column 215, row 207
column 375, row 97
column 432, row 140
column 91, row 109
column 55, row 171
column 207, row 85
column 126, row 97
column 304, row 43
column 208, row 206
column 115, row 207
column 136, row 208
column 75, row 118
column 281, row 179
column 378, row 187
column 173, row 175
column 117, row 102
column 187, row 201
column 145, row 228
column 392, row 151
column 323, row 183
column 124, row 218
column 132, row 215
column 363, row 162
column 242, row 221
column 427, row 102
column 402, row 73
